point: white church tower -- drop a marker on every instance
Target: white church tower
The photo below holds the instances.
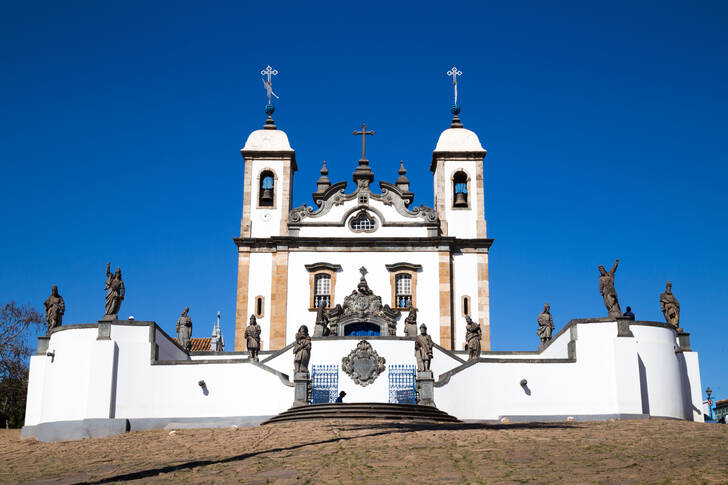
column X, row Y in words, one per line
column 457, row 167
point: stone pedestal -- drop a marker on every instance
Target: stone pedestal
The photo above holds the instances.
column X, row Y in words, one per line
column 109, row 318
column 623, row 327
column 43, row 345
column 301, row 384
column 683, row 340
column 425, row 388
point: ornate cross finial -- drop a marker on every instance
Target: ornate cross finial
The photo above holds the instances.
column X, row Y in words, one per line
column 269, row 71
column 363, row 271
column 455, row 73
column 363, row 134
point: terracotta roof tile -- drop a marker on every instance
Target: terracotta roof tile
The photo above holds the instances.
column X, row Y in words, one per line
column 199, row 344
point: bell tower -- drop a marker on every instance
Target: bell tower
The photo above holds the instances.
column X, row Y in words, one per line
column 269, row 164
column 457, row 167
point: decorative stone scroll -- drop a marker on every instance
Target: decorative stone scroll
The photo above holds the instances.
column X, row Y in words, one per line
column 363, row 364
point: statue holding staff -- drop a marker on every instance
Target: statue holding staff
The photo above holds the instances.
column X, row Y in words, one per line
column 55, row 307
column 607, row 290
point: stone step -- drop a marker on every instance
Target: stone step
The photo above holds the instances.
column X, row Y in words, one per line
column 408, row 412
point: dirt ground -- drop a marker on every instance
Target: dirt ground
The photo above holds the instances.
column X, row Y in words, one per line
column 334, row 451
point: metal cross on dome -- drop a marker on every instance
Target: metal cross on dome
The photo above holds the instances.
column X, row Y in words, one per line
column 363, row 132
column 455, row 73
column 363, row 271
column 269, row 71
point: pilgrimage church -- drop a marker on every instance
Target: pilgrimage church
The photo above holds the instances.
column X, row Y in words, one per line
column 362, row 292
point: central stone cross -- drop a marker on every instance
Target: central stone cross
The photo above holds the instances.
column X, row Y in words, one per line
column 363, row 132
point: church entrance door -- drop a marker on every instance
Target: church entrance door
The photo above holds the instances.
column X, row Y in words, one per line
column 362, row 329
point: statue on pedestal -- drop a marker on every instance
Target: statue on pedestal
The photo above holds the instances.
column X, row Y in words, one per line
column 184, row 330
column 321, row 327
column 607, row 290
column 545, row 324
column 114, row 293
column 423, row 349
column 473, row 334
column 410, row 323
column 302, row 350
column 55, row 307
column 670, row 307
column 252, row 338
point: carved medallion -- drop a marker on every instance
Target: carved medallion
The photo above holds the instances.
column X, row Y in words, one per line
column 363, row 364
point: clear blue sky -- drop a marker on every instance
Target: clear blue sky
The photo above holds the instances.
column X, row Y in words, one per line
column 605, row 127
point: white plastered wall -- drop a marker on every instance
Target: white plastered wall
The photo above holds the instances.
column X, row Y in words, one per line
column 259, row 284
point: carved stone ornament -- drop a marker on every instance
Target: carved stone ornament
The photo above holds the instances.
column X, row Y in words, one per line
column 363, row 364
column 363, row 306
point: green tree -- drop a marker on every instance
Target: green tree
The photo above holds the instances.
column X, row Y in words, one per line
column 18, row 323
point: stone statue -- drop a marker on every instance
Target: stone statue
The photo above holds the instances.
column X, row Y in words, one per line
column 410, row 323
column 321, row 328
column 184, row 330
column 473, row 334
column 302, row 350
column 423, row 349
column 55, row 307
column 114, row 293
column 252, row 338
column 545, row 324
column 607, row 290
column 670, row 307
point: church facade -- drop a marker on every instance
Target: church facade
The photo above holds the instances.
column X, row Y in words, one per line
column 364, row 263
column 293, row 260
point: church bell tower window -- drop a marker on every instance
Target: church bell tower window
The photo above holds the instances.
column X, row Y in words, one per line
column 460, row 190
column 266, row 194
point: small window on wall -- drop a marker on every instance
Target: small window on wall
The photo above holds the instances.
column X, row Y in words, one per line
column 363, row 223
column 322, row 290
column 403, row 290
column 466, row 306
column 266, row 194
column 460, row 190
column 259, row 305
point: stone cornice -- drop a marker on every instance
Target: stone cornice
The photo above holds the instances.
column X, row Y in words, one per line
column 403, row 267
column 473, row 155
column 322, row 266
column 271, row 155
column 288, row 243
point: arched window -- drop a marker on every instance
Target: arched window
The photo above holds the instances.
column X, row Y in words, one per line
column 363, row 223
column 466, row 306
column 403, row 290
column 266, row 194
column 322, row 290
column 460, row 190
column 259, row 301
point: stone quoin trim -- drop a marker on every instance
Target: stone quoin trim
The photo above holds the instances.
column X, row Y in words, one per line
column 241, row 303
column 483, row 301
column 279, row 300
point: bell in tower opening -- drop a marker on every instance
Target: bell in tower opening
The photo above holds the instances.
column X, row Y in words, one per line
column 266, row 189
column 460, row 186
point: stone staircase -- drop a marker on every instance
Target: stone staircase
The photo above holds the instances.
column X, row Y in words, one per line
column 369, row 410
